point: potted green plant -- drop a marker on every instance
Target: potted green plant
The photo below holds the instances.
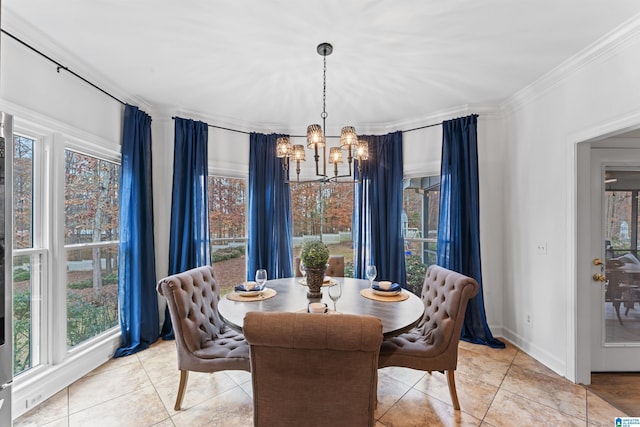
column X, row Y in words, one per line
column 314, row 256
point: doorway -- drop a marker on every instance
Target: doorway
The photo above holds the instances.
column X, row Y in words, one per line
column 608, row 285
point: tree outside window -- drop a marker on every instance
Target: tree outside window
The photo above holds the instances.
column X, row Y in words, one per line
column 227, row 198
column 324, row 209
column 91, row 243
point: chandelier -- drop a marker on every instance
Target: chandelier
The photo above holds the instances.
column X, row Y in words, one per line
column 357, row 150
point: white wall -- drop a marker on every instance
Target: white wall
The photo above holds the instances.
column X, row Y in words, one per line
column 545, row 122
column 30, row 81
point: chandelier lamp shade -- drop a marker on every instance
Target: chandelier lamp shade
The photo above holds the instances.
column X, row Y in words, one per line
column 357, row 150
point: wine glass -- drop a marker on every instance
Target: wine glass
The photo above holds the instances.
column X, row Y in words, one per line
column 335, row 292
column 303, row 271
column 261, row 278
column 371, row 273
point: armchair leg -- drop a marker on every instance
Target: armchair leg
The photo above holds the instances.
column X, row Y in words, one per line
column 452, row 389
column 184, row 376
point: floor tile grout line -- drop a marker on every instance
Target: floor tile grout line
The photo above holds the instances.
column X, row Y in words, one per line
column 501, row 383
column 536, row 401
column 155, row 389
column 107, row 400
column 586, row 403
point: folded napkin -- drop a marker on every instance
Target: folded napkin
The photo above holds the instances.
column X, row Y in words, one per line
column 240, row 288
column 394, row 288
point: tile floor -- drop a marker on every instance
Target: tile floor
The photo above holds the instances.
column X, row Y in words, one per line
column 495, row 387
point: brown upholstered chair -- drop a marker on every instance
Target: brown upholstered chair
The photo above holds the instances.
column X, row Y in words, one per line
column 433, row 344
column 203, row 341
column 313, row 369
column 335, row 266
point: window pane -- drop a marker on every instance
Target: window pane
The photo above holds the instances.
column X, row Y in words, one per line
column 92, row 292
column 27, row 300
column 27, row 281
column 324, row 209
column 91, row 199
column 227, row 218
column 618, row 222
column 91, row 216
column 421, row 201
column 23, row 192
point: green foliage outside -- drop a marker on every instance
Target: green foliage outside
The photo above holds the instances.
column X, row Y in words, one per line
column 107, row 279
column 348, row 269
column 21, row 331
column 416, row 271
column 88, row 318
column 20, row 275
column 227, row 253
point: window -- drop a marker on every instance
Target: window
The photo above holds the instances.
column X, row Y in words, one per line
column 91, row 244
column 227, row 199
column 64, row 249
column 28, row 258
column 420, row 210
column 324, row 209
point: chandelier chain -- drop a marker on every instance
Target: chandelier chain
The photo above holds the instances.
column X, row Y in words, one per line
column 324, row 94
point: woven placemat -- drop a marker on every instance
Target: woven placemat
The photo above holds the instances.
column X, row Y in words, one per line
column 368, row 293
column 326, row 282
column 266, row 294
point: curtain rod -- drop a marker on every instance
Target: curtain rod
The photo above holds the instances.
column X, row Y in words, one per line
column 60, row 66
column 304, row 136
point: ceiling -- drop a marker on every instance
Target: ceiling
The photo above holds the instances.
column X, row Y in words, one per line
column 253, row 64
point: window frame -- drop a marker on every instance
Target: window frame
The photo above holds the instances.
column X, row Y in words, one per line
column 40, row 310
column 48, row 212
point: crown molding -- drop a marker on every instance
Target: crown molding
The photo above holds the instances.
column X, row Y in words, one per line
column 605, row 47
column 46, row 125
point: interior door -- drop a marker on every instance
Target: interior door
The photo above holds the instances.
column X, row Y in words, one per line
column 615, row 286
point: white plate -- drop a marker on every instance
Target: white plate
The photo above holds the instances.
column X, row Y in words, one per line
column 386, row 293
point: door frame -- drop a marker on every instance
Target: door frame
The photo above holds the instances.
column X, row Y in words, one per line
column 579, row 254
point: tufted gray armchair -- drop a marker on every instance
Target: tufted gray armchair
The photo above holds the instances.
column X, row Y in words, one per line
column 433, row 344
column 203, row 342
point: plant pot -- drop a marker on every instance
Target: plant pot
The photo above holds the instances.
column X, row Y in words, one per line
column 315, row 277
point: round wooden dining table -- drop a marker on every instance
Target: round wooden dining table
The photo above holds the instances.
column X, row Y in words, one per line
column 396, row 316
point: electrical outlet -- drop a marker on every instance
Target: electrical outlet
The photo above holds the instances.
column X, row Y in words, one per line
column 529, row 319
column 33, row 401
column 541, row 248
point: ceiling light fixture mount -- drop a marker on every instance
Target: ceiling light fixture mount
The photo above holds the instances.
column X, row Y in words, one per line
column 357, row 150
